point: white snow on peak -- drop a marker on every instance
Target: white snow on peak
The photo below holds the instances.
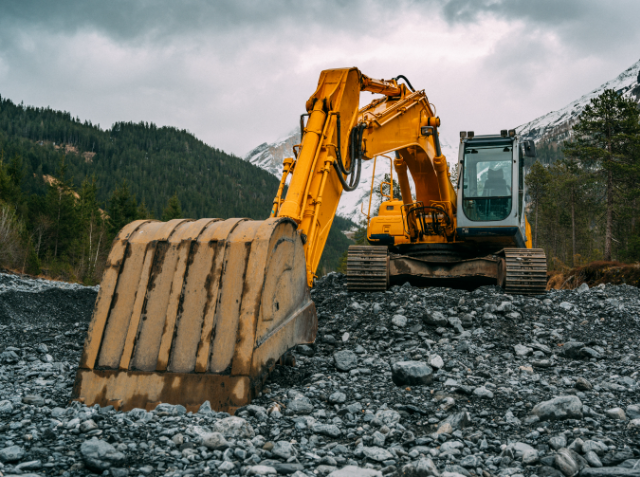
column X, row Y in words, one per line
column 557, row 124
column 270, row 156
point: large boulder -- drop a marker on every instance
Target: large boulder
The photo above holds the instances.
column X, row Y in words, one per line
column 413, row 373
column 559, row 408
column 569, row 462
column 345, row 360
column 11, row 454
column 99, row 455
column 234, row 426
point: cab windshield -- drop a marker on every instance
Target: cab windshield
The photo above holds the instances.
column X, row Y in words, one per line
column 487, row 183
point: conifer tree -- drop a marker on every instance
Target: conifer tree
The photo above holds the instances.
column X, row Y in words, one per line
column 606, row 138
column 173, row 209
column 538, row 180
column 123, row 208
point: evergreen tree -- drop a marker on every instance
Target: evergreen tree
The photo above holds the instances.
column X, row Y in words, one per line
column 123, row 208
column 144, row 212
column 606, row 137
column 173, row 209
column 538, row 180
column 93, row 240
column 60, row 207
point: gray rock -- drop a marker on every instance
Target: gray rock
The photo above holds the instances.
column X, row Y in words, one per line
column 234, row 426
column 170, row 409
column 413, row 373
column 301, row 405
column 88, row 425
column 6, row 407
column 33, row 399
column 399, row 320
column 592, row 459
column 483, row 392
column 572, row 349
column 215, row 441
column 458, row 420
column 569, row 462
column 377, row 453
column 558, row 442
column 583, row 385
column 354, row 471
column 616, row 413
column 583, row 288
column 378, row 439
column 99, row 455
column 559, row 408
column 633, row 411
column 593, row 446
column 119, row 472
column 261, row 470
column 456, row 324
column 420, row 468
column 470, row 462
column 345, row 360
column 337, row 397
column 588, row 353
column 137, row 414
column 610, row 472
column 11, row 454
column 435, row 318
column 388, row 416
column 522, row 350
column 327, row 429
column 634, row 424
column 435, row 361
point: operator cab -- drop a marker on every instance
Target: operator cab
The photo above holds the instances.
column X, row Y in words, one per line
column 491, row 188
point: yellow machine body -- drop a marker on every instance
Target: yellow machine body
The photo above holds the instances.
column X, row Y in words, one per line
column 190, row 311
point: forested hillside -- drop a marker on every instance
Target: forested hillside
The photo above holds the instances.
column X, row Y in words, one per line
column 67, row 186
column 585, row 191
column 157, row 162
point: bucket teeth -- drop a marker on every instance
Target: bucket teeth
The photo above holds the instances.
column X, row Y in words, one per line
column 190, row 311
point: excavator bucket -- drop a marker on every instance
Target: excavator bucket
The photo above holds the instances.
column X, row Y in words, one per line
column 194, row 311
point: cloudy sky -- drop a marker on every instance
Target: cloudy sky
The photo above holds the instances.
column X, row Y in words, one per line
column 237, row 73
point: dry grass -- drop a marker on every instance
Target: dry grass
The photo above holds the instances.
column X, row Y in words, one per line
column 594, row 274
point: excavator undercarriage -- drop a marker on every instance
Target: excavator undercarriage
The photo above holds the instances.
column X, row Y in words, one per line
column 517, row 271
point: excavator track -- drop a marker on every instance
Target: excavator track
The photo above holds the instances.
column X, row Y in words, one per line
column 523, row 271
column 367, row 268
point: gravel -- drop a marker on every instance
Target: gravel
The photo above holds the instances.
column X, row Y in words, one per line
column 409, row 382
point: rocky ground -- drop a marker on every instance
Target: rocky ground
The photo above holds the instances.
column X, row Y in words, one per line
column 411, row 382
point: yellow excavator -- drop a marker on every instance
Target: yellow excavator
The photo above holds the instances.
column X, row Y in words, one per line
column 201, row 310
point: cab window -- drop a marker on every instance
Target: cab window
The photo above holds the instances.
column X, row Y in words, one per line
column 487, row 182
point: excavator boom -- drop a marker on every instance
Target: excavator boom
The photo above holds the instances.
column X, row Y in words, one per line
column 194, row 311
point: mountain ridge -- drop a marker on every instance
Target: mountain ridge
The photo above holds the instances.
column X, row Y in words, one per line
column 555, row 126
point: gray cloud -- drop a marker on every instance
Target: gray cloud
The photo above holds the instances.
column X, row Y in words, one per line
column 237, row 73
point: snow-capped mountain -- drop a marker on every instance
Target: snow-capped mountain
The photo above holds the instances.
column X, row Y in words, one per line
column 270, row 156
column 556, row 125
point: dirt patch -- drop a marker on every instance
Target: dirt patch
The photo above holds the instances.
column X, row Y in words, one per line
column 594, row 274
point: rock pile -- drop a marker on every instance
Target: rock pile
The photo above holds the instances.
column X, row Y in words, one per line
column 410, row 382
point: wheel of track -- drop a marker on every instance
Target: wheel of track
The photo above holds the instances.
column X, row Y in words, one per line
column 522, row 271
column 367, row 268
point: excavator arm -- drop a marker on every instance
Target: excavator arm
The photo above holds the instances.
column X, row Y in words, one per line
column 339, row 135
column 194, row 311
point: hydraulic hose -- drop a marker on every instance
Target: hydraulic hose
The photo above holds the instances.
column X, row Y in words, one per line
column 403, row 77
column 355, row 168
